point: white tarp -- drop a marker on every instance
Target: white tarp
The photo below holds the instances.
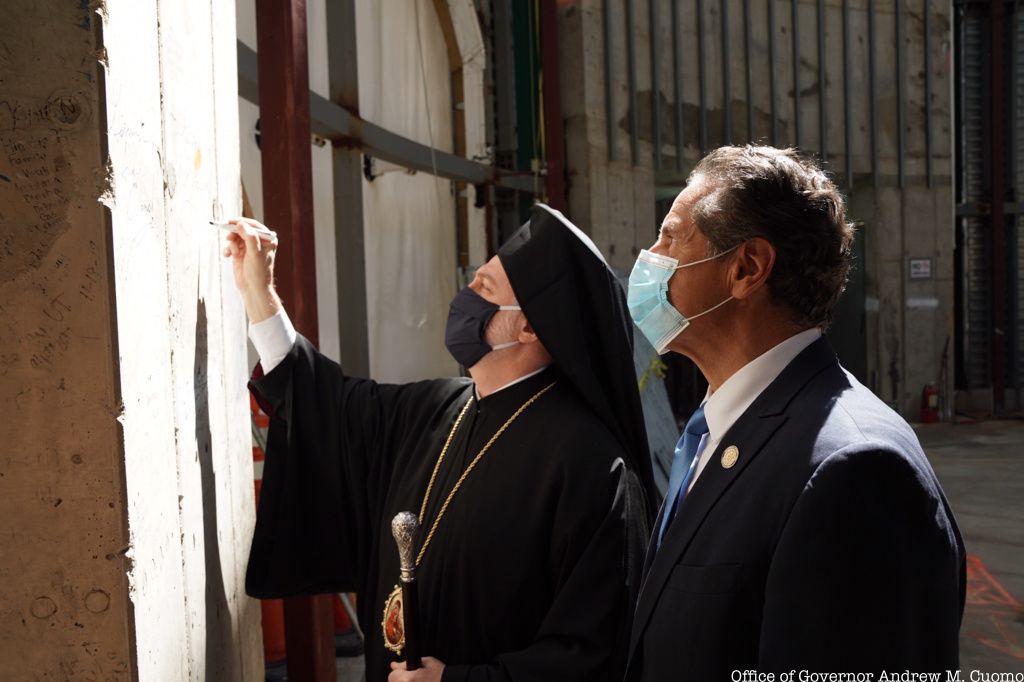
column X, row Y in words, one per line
column 409, row 219
column 404, row 86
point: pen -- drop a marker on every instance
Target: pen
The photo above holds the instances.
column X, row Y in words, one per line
column 230, row 227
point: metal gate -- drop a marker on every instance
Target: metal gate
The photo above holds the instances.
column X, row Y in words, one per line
column 973, row 238
column 990, row 187
column 1016, row 250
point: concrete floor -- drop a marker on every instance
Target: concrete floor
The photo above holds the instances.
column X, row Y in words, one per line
column 351, row 669
column 981, row 467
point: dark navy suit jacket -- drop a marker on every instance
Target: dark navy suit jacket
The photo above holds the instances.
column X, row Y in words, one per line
column 829, row 546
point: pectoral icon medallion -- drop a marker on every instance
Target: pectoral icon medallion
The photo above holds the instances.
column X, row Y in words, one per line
column 393, row 623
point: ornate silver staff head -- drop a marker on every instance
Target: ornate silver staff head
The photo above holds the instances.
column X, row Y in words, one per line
column 406, row 527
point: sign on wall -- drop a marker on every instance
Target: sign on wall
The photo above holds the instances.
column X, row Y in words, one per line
column 920, row 268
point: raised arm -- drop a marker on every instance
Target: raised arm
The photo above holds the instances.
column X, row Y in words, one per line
column 252, row 248
column 325, row 434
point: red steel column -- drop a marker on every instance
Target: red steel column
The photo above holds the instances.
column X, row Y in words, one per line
column 998, row 253
column 554, row 130
column 287, row 160
column 288, row 208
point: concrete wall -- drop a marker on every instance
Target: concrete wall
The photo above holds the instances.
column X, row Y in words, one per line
column 909, row 320
column 65, row 611
column 173, row 144
column 905, row 321
column 612, row 200
column 128, row 493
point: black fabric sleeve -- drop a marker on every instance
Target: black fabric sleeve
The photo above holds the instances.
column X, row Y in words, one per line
column 326, row 470
column 865, row 574
column 585, row 632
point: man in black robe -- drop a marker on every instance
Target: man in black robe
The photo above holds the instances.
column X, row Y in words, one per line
column 532, row 480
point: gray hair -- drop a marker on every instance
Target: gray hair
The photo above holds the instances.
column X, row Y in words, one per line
column 777, row 195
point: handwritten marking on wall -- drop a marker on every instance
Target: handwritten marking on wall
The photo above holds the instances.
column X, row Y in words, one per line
column 37, row 176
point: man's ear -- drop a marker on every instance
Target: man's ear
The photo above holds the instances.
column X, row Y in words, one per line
column 527, row 334
column 752, row 265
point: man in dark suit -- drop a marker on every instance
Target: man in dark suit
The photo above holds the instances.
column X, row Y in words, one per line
column 803, row 528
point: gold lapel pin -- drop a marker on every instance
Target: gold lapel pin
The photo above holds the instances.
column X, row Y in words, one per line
column 730, row 457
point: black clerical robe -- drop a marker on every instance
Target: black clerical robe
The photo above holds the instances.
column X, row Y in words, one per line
column 528, row 574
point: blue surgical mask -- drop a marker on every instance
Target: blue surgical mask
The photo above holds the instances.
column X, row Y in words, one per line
column 648, row 302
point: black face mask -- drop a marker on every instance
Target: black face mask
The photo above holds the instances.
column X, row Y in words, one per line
column 468, row 317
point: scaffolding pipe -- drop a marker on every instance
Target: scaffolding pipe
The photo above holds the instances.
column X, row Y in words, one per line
column 652, row 16
column 677, row 73
column 795, row 31
column 634, row 119
column 554, row 129
column 997, row 262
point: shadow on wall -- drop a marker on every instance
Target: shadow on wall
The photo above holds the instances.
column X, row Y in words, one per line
column 219, row 633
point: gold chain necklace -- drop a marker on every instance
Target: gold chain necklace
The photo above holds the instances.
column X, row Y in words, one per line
column 393, row 622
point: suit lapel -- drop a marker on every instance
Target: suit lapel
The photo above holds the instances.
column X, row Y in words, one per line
column 750, row 434
column 711, row 485
column 652, row 545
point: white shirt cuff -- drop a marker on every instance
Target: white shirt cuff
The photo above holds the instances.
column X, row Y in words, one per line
column 273, row 338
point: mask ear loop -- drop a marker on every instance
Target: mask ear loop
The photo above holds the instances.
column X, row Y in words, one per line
column 503, row 346
column 709, row 258
column 711, row 309
column 715, row 307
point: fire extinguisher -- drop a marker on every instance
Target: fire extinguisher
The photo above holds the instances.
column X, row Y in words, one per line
column 930, row 404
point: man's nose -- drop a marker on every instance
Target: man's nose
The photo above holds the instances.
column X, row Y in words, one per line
column 656, row 249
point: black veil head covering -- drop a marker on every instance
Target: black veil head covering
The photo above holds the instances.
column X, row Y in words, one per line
column 577, row 307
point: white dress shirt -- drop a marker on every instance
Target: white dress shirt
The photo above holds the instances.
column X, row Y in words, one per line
column 275, row 336
column 723, row 407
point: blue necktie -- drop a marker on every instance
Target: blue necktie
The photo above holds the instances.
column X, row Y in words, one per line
column 684, row 464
